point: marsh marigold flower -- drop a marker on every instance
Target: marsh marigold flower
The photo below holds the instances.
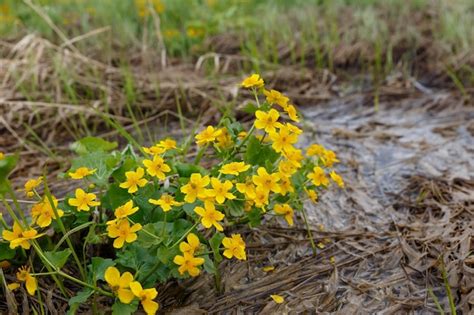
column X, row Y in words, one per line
column 265, row 181
column 337, row 179
column 167, row 144
column 224, row 140
column 120, row 284
column 20, row 237
column 195, row 188
column 329, row 158
column 208, row 135
column 156, row 149
column 191, row 246
column 275, row 97
column 312, row 195
column 31, row 185
column 125, row 210
column 234, row 168
column 123, row 232
column 81, row 172
column 318, row 177
column 247, row 188
column 294, row 156
column 315, row 150
column 286, row 211
column 220, row 190
column 267, row 121
column 43, row 211
column 188, row 263
column 253, row 81
column 146, row 297
column 23, row 275
column 283, row 140
column 261, row 197
column 134, row 180
column 285, row 185
column 157, row 167
column 291, row 111
column 286, row 167
column 83, row 200
column 210, row 216
column 234, row 247
column 166, row 202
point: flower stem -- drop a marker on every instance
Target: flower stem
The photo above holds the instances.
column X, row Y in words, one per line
column 313, row 245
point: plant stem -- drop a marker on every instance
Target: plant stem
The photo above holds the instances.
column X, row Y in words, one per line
column 308, row 229
column 444, row 274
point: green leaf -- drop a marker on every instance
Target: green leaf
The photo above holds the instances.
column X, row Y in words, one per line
column 92, row 144
column 7, row 164
column 114, row 197
column 59, row 258
column 98, row 266
column 80, row 297
column 120, row 308
column 255, row 217
column 250, row 108
column 186, row 169
column 146, row 240
column 215, row 243
column 6, row 253
column 209, row 265
column 259, row 154
column 103, row 162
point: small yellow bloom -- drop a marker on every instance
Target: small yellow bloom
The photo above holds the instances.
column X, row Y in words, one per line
column 285, row 185
column 267, row 121
column 134, row 180
column 2, row 155
column 312, row 195
column 191, row 246
column 13, row 286
column 146, row 297
column 234, row 168
column 261, row 197
column 123, row 232
column 294, row 129
column 275, row 97
column 19, row 237
column 157, row 167
column 82, row 172
column 166, row 202
column 195, row 188
column 283, row 140
column 337, row 179
column 167, row 144
column 83, row 200
column 157, row 149
column 188, row 263
column 208, row 135
column 315, row 150
column 253, row 81
column 247, row 188
column 265, row 181
column 291, row 111
column 234, row 247
column 242, row 135
column 329, row 158
column 286, row 211
column 277, row 298
column 294, row 156
column 220, row 190
column 224, row 140
column 210, row 216
column 23, row 275
column 125, row 210
column 318, row 177
column 31, row 184
column 43, row 211
column 286, row 167
column 120, row 284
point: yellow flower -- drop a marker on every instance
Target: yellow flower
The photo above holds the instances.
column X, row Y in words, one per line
column 43, row 211
column 242, row 135
column 253, row 81
column 157, row 167
column 267, row 121
column 286, row 167
column 224, row 140
column 157, row 149
column 19, row 237
column 123, row 232
column 261, row 197
column 120, row 284
column 291, row 111
column 191, row 246
column 294, row 129
column 337, row 179
column 167, row 144
column 125, row 210
column 208, row 135
column 283, row 140
column 83, row 200
column 81, row 172
column 234, row 168
column 166, row 202
column 220, row 190
column 134, row 180
column 315, row 149
column 146, row 297
column 286, row 211
column 24, row 275
column 329, row 158
column 285, row 185
column 247, row 188
column 2, row 156
column 188, row 263
column 275, row 97
column 277, row 298
column 234, row 247
column 294, row 156
column 30, row 186
column 13, row 286
column 210, row 216
column 265, row 181
column 195, row 188
column 318, row 177
column 312, row 195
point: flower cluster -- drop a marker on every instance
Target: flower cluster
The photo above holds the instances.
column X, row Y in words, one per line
column 159, row 216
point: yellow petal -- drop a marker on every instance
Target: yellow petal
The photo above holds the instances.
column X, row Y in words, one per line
column 150, row 307
column 277, row 298
column 112, row 276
